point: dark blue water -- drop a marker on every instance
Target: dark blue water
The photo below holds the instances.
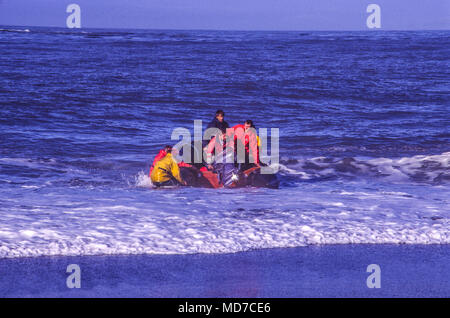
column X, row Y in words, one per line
column 364, row 138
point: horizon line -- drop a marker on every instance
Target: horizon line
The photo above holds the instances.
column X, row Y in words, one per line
column 225, row 30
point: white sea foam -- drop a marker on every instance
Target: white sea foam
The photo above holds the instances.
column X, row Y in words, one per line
column 61, row 219
column 223, row 221
column 142, row 180
column 15, row 30
column 435, row 168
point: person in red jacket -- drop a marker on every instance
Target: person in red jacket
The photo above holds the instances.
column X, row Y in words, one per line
column 244, row 134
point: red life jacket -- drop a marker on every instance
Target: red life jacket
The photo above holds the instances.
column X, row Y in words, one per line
column 249, row 140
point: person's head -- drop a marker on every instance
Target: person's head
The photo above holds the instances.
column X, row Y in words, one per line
column 220, row 115
column 248, row 124
column 168, row 149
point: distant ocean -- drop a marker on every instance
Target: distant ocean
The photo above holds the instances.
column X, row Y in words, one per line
column 364, row 121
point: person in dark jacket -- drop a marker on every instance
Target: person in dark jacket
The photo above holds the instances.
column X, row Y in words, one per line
column 218, row 122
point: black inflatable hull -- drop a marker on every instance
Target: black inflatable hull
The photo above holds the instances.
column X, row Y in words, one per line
column 259, row 180
column 228, row 178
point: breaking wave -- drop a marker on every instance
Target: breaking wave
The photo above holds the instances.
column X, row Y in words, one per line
column 429, row 169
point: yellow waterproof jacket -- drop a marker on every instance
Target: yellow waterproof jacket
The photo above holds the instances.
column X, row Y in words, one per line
column 164, row 169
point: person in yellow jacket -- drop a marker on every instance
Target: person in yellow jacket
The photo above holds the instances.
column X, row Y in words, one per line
column 166, row 172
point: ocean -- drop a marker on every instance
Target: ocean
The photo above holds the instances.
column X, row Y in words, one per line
column 364, row 139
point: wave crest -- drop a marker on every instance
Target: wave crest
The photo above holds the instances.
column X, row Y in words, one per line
column 420, row 168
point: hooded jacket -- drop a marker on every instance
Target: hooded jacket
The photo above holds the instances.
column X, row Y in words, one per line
column 165, row 169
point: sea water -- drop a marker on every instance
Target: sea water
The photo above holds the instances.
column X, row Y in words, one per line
column 364, row 138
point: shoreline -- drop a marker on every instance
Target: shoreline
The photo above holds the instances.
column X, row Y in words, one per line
column 311, row 271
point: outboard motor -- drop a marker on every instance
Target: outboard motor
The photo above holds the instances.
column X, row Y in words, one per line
column 228, row 173
column 230, row 176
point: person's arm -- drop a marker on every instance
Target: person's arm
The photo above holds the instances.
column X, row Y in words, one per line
column 176, row 172
column 210, row 149
column 184, row 164
column 253, row 145
column 258, row 143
